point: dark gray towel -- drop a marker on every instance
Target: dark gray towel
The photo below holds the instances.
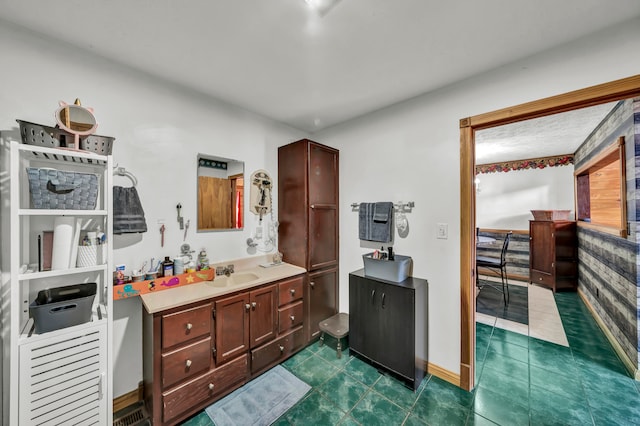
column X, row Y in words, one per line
column 128, row 216
column 370, row 229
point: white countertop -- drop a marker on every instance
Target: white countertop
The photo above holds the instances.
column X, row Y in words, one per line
column 221, row 285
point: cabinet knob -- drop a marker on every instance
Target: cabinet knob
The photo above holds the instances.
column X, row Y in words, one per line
column 293, row 318
column 247, row 306
column 313, row 206
column 188, row 363
column 540, row 278
column 211, row 386
column 312, row 284
column 189, row 326
column 253, row 305
column 292, row 291
column 281, row 348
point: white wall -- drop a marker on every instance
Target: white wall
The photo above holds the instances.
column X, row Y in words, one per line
column 505, row 200
column 411, row 152
column 159, row 130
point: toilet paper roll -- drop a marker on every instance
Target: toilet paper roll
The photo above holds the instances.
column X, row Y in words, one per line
column 63, row 232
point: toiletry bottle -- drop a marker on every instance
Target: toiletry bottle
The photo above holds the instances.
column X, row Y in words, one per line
column 167, row 267
column 391, row 255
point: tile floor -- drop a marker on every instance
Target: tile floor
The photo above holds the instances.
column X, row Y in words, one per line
column 521, row 380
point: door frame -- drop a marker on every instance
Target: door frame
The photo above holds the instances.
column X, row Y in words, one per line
column 594, row 95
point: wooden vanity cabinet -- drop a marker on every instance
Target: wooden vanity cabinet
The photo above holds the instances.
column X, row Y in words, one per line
column 197, row 353
column 553, row 254
column 308, row 230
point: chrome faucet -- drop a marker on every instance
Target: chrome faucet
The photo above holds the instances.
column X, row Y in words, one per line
column 225, row 270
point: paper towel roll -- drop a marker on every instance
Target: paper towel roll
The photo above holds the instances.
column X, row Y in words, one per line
column 63, row 232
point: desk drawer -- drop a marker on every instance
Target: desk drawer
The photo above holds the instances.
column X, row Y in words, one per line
column 186, row 362
column 276, row 351
column 186, row 325
column 290, row 317
column 204, row 388
column 543, row 278
column 290, row 291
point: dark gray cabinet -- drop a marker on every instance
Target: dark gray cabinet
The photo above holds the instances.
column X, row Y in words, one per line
column 388, row 324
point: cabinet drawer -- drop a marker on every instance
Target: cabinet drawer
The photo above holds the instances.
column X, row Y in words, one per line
column 290, row 317
column 204, row 388
column 290, row 291
column 186, row 325
column 186, row 362
column 276, row 351
column 538, row 277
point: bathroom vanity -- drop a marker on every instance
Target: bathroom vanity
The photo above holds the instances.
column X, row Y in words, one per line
column 202, row 341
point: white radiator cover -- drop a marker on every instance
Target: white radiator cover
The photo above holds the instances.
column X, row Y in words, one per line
column 63, row 379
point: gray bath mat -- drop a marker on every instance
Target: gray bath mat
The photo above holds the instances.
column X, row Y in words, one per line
column 261, row 401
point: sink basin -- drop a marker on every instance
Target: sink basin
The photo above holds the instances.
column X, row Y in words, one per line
column 233, row 279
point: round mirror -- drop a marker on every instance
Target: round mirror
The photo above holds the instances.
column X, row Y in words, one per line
column 76, row 119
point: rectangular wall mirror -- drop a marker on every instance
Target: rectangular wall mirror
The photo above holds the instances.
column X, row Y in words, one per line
column 220, row 193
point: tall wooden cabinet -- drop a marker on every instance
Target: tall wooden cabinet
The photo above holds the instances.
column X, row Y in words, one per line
column 308, row 230
column 388, row 324
column 553, row 254
column 61, row 375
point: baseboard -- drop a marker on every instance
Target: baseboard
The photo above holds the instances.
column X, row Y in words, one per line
column 629, row 365
column 128, row 398
column 444, row 374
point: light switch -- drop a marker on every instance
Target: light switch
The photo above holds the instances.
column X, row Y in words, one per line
column 443, row 231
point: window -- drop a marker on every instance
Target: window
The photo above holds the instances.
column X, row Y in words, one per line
column 601, row 191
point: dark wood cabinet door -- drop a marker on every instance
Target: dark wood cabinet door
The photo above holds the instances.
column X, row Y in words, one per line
column 542, row 246
column 394, row 306
column 322, row 298
column 323, row 175
column 263, row 313
column 363, row 320
column 232, row 327
column 323, row 244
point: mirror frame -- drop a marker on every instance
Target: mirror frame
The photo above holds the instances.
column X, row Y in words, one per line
column 234, row 190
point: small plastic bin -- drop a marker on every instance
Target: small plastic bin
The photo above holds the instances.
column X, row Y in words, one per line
column 91, row 255
column 61, row 307
column 396, row 270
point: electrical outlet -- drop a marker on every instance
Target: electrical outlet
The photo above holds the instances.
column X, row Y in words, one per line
column 443, row 231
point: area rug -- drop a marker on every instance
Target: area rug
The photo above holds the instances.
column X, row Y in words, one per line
column 261, row 401
column 490, row 302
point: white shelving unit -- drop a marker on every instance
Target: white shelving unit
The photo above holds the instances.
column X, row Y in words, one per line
column 61, row 375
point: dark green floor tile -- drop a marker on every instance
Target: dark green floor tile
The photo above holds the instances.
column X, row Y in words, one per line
column 297, row 358
column 492, row 406
column 413, row 420
column 343, row 390
column 329, row 354
column 476, row 419
column 569, row 387
column 374, row 409
column 549, row 408
column 200, row 419
column 362, row 371
column 614, row 400
column 348, row 421
column 616, row 415
column 510, row 337
column 511, row 387
column 506, row 364
column 436, row 408
column 595, row 374
column 550, row 356
column 314, row 410
column 396, row 391
column 314, row 370
column 440, row 390
column 510, row 350
column 483, row 330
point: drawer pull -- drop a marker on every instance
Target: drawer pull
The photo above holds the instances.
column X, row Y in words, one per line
column 293, row 318
column 281, row 349
column 312, row 284
column 189, row 326
column 211, row 386
column 540, row 278
column 188, row 363
column 253, row 305
column 247, row 306
column 293, row 291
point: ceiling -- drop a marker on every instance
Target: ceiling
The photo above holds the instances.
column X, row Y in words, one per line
column 314, row 69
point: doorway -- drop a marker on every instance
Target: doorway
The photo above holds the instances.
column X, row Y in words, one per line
column 608, row 92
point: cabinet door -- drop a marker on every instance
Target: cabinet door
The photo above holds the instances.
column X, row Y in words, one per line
column 362, row 318
column 323, row 243
column 232, row 327
column 323, row 175
column 394, row 334
column 541, row 248
column 263, row 323
column 322, row 299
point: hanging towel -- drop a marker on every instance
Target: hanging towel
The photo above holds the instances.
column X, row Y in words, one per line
column 128, row 216
column 375, row 222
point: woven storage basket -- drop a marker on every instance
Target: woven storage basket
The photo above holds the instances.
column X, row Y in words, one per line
column 56, row 189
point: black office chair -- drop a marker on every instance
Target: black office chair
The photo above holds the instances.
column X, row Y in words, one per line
column 497, row 264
